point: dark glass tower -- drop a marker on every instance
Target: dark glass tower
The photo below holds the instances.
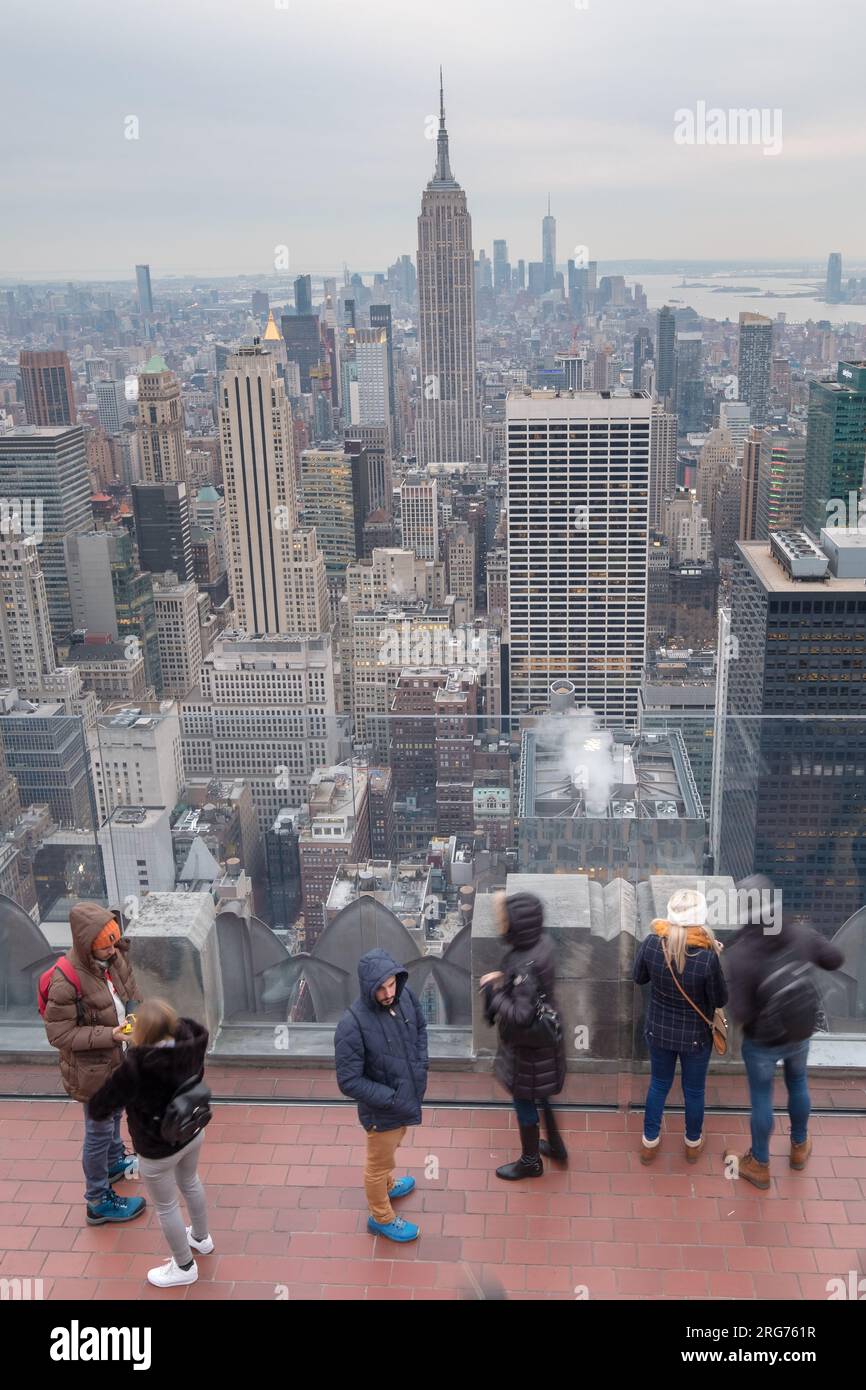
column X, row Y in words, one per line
column 793, row 789
column 835, row 447
column 162, row 528
column 304, row 294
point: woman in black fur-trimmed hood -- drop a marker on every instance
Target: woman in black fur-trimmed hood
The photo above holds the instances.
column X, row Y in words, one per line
column 166, row 1052
column 531, row 1074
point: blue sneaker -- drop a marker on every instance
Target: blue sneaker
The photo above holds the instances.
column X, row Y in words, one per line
column 114, row 1208
column 397, row 1229
column 125, row 1167
column 401, row 1188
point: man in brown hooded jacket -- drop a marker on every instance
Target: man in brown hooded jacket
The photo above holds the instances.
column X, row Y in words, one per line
column 86, row 1029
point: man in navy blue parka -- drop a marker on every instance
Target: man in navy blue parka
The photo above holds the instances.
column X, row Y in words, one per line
column 380, row 1050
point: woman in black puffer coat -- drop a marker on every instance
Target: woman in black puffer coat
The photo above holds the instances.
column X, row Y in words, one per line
column 530, row 1074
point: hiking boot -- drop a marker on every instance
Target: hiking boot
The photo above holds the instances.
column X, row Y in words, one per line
column 694, row 1151
column 125, row 1167
column 110, row 1207
column 800, row 1153
column 529, row 1165
column 748, row 1167
column 398, row 1229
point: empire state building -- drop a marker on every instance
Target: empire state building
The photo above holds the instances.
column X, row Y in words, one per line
column 448, row 429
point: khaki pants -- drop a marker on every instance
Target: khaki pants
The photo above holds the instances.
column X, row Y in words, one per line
column 382, row 1145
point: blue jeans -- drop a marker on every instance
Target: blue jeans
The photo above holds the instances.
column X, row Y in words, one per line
column 527, row 1113
column 693, row 1065
column 760, row 1066
column 103, row 1147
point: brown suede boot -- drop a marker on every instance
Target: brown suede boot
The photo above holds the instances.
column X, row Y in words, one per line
column 758, row 1174
column 694, row 1151
column 647, row 1153
column 800, row 1153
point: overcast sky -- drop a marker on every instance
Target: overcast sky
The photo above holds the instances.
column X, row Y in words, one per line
column 261, row 126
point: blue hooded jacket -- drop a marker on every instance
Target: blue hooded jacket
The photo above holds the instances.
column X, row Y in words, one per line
column 381, row 1054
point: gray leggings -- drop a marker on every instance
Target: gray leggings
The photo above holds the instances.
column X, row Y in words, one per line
column 164, row 1178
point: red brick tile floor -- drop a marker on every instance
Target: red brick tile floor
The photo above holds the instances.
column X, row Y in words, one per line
column 287, row 1209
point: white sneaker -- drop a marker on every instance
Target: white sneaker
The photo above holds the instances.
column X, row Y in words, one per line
column 204, row 1247
column 168, row 1275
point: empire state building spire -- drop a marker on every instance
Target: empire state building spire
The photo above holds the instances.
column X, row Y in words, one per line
column 443, row 178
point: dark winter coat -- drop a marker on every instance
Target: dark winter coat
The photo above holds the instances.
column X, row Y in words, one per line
column 528, row 1073
column 145, row 1082
column 88, row 1052
column 754, row 953
column 381, row 1054
column 671, row 1023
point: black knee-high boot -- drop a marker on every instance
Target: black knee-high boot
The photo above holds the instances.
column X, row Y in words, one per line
column 553, row 1146
column 529, row 1165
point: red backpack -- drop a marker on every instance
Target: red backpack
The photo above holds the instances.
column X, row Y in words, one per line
column 68, row 972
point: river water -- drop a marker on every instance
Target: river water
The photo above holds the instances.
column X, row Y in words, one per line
column 668, row 289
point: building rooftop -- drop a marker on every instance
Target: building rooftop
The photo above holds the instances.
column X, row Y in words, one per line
column 539, row 404
column 591, row 775
column 402, row 887
column 774, row 579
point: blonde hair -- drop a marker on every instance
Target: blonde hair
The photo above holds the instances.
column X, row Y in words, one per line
column 690, row 908
column 155, row 1020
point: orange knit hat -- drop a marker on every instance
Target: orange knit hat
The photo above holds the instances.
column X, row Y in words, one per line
column 109, row 935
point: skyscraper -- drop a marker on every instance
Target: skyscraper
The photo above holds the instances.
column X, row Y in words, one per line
column 449, row 425
column 578, row 283
column 419, row 516
column 276, row 574
column 548, row 248
column 162, row 445
column 371, row 397
column 833, row 291
column 162, row 528
column 690, row 382
column 642, row 351
column 110, row 594
column 781, row 468
column 748, row 526
column 26, row 650
column 49, row 397
column 663, row 464
column 501, row 268
column 145, row 295
column 304, row 294
column 578, row 500
column 331, row 491
column 791, row 794
column 303, row 341
column 665, row 339
column 736, row 417
column 175, row 606
column 112, row 406
column 755, row 365
column 835, row 447
column 380, row 317
column 49, row 467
